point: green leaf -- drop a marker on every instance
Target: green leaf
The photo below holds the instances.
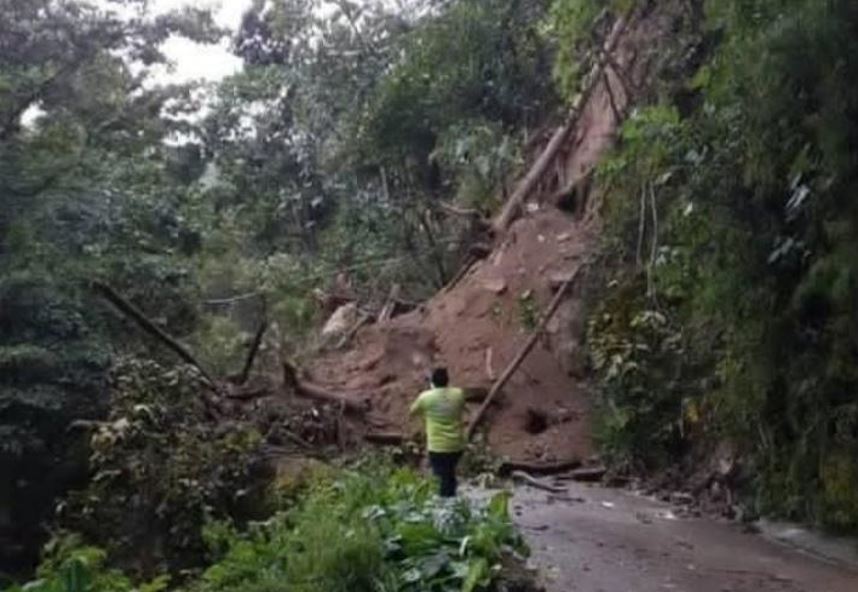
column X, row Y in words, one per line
column 479, row 575
column 498, row 507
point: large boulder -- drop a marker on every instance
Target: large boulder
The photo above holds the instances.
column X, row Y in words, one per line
column 341, row 321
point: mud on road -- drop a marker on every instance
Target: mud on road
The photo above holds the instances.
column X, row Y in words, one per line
column 601, row 540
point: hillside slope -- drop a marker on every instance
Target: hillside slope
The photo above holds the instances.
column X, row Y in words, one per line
column 476, row 327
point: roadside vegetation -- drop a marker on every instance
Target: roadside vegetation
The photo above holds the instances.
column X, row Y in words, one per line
column 370, row 527
column 729, row 313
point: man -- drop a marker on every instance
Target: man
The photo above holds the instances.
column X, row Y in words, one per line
column 442, row 409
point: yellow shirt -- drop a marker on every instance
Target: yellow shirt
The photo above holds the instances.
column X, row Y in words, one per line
column 442, row 409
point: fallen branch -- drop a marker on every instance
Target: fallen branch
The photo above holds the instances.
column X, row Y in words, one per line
column 508, row 467
column 303, row 388
column 490, row 371
column 128, row 309
column 522, row 476
column 511, row 208
column 513, row 205
column 251, row 354
column 522, row 354
column 232, row 299
column 586, row 475
column 385, row 438
column 457, row 211
column 245, row 394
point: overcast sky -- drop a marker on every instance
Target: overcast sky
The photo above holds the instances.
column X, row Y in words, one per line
column 192, row 60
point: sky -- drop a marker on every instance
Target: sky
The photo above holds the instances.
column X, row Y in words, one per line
column 194, row 61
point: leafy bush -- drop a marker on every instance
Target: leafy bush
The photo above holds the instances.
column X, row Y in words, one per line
column 372, row 528
column 159, row 469
column 70, row 566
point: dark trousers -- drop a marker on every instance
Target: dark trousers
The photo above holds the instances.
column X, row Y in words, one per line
column 444, row 467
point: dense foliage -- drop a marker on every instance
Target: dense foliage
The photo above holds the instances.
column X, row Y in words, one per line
column 160, row 469
column 326, row 156
column 78, row 185
column 371, row 528
column 735, row 317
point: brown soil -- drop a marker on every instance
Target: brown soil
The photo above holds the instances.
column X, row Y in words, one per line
column 475, row 329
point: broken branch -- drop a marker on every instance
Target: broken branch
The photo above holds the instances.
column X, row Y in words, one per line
column 363, row 319
column 310, row 390
column 384, row 438
column 509, row 467
column 131, row 311
column 513, row 205
column 533, row 482
column 251, row 354
column 522, row 354
column 390, row 305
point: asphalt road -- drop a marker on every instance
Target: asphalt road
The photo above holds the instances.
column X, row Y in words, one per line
column 602, row 540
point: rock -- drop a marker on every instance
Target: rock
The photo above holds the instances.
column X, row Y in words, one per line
column 341, row 321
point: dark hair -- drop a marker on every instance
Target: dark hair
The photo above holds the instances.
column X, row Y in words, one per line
column 440, row 378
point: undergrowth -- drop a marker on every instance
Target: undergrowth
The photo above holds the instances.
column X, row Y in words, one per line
column 372, row 527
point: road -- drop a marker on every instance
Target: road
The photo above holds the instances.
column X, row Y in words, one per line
column 604, row 540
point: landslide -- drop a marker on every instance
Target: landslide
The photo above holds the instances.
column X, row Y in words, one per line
column 475, row 329
column 476, row 326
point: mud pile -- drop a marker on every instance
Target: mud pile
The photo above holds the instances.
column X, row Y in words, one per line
column 475, row 329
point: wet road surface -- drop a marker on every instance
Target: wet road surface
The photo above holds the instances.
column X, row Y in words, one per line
column 602, row 540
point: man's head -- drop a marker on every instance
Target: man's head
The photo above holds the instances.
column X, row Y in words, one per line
column 440, row 378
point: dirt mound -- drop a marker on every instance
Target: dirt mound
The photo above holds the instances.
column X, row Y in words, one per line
column 475, row 329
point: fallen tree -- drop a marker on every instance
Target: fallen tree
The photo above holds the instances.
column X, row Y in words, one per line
column 349, row 402
column 128, row 309
column 513, row 205
column 521, row 355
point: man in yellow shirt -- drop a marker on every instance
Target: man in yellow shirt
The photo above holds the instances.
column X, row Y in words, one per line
column 442, row 408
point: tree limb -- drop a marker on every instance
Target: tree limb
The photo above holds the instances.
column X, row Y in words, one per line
column 251, row 354
column 511, row 208
column 310, row 390
column 363, row 319
column 533, row 482
column 129, row 310
column 522, row 354
column 509, row 467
